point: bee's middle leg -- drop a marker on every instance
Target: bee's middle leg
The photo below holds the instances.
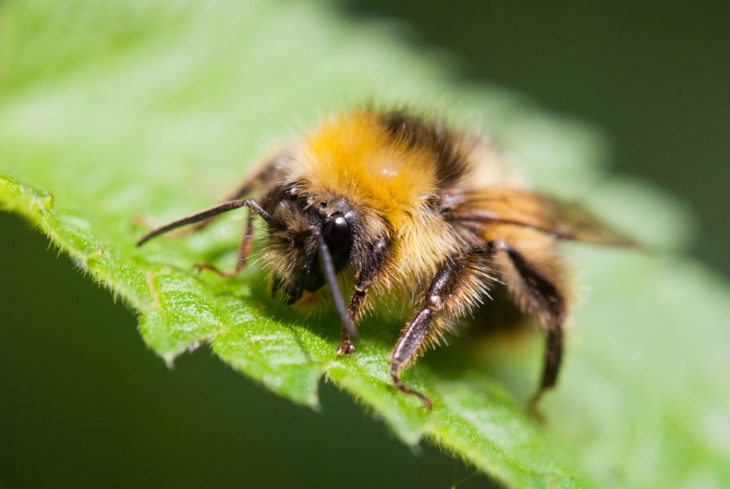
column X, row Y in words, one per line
column 456, row 289
column 244, row 250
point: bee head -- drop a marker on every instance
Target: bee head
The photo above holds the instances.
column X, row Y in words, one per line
column 305, row 223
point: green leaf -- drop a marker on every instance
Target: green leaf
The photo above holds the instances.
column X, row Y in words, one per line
column 111, row 110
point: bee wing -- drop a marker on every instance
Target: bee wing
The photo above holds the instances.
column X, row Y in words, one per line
column 476, row 209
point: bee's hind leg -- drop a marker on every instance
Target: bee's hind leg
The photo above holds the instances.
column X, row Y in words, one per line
column 551, row 365
column 536, row 283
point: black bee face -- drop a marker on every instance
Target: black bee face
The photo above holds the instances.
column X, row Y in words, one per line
column 294, row 252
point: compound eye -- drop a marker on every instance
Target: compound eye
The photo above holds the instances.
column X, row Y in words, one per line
column 337, row 235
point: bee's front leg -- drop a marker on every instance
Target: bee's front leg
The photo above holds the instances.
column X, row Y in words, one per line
column 259, row 183
column 368, row 272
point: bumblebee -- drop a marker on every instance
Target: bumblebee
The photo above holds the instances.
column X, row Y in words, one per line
column 401, row 208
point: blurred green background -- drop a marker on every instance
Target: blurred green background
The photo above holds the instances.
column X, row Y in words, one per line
column 655, row 80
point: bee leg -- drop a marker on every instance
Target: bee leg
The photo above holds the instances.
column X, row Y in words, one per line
column 456, row 289
column 259, row 180
column 364, row 278
column 346, row 347
column 537, row 290
column 244, row 250
column 254, row 206
column 412, row 342
column 551, row 365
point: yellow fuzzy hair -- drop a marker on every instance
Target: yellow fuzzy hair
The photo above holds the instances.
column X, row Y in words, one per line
column 353, row 155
